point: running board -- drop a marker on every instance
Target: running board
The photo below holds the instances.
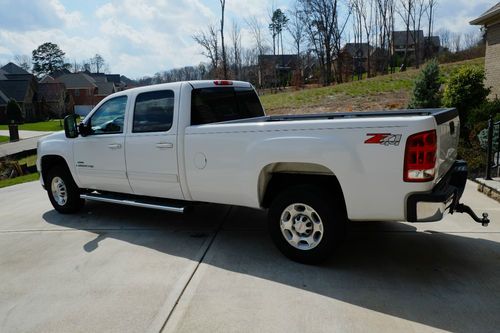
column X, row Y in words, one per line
column 133, row 202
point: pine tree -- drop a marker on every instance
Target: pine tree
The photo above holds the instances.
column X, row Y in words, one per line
column 426, row 90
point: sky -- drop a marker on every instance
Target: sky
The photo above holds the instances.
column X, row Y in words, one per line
column 141, row 37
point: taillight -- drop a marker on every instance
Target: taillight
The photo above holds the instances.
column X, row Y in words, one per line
column 420, row 157
column 223, row 83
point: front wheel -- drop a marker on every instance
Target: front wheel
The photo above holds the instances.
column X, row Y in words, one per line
column 63, row 192
column 306, row 223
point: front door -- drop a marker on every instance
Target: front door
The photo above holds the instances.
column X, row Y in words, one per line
column 100, row 156
column 151, row 146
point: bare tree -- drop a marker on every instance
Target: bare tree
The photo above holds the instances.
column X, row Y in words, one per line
column 23, row 61
column 209, row 41
column 385, row 9
column 296, row 28
column 431, row 5
column 324, row 33
column 405, row 10
column 236, row 48
column 419, row 8
column 256, row 31
column 471, row 39
column 364, row 13
column 98, row 64
column 224, row 58
column 445, row 38
column 456, row 41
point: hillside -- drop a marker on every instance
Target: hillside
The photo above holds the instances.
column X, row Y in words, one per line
column 382, row 92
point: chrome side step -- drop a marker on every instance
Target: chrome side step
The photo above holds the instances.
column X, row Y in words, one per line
column 132, row 202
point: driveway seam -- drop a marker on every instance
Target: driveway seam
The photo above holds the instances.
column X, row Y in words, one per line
column 200, row 261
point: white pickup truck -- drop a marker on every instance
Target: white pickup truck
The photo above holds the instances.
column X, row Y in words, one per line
column 170, row 146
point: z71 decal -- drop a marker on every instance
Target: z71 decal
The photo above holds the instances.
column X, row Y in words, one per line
column 383, row 139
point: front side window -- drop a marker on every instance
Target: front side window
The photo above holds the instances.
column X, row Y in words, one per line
column 109, row 118
column 154, row 111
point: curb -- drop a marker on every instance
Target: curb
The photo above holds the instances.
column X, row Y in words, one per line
column 490, row 191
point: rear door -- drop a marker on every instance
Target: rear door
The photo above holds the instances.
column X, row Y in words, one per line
column 151, row 145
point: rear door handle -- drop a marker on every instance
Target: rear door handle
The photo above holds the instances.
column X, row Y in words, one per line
column 163, row 145
column 114, row 146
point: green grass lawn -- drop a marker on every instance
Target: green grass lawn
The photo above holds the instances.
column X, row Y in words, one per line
column 18, row 180
column 400, row 81
column 50, row 125
column 4, row 139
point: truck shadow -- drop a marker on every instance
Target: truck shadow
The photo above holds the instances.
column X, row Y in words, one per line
column 445, row 281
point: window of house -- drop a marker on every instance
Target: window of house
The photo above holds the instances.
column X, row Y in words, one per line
column 211, row 105
column 109, row 118
column 77, row 92
column 154, row 111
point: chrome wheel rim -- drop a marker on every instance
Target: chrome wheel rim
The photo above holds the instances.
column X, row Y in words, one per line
column 301, row 226
column 59, row 192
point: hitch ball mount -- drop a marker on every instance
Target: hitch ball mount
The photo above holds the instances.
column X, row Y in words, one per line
column 461, row 208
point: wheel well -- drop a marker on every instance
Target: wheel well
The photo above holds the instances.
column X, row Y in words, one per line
column 48, row 162
column 279, row 181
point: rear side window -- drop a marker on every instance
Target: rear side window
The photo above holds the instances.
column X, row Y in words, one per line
column 154, row 111
column 213, row 105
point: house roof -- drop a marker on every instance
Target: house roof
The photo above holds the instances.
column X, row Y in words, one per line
column 47, row 79
column 434, row 40
column 105, row 88
column 115, row 78
column 2, row 74
column 59, row 72
column 77, row 80
column 51, row 91
column 12, row 68
column 399, row 37
column 491, row 14
column 16, row 89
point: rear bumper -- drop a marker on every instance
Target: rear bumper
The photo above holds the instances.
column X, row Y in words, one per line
column 430, row 207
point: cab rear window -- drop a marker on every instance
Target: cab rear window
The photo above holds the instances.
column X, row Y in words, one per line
column 213, row 105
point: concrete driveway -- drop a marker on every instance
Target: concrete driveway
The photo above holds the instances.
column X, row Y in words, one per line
column 124, row 269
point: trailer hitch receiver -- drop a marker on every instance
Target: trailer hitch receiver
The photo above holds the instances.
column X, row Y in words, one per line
column 461, row 208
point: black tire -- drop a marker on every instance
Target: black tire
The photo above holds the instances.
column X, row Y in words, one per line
column 73, row 203
column 328, row 208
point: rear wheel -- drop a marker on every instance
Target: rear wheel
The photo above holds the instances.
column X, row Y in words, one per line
column 63, row 192
column 306, row 223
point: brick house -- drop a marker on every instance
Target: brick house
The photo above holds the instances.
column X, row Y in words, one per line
column 353, row 58
column 86, row 89
column 54, row 99
column 276, row 70
column 416, row 41
column 490, row 20
column 18, row 84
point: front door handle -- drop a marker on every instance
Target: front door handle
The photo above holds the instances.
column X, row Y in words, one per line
column 163, row 145
column 114, row 146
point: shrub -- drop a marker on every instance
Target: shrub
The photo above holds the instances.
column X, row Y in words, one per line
column 465, row 91
column 14, row 113
column 426, row 90
column 483, row 112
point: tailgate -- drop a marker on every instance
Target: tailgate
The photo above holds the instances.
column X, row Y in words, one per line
column 448, row 132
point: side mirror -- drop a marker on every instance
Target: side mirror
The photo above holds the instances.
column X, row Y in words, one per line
column 70, row 128
column 84, row 129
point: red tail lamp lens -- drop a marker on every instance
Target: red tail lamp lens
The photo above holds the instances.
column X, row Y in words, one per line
column 420, row 157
